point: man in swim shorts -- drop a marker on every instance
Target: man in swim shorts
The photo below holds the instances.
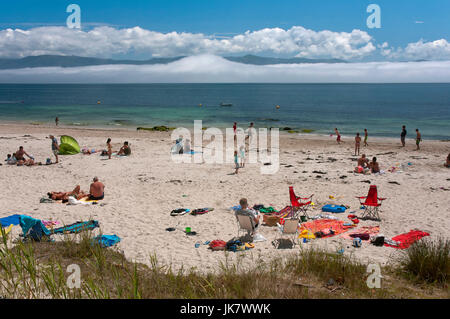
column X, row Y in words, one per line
column 418, row 138
column 55, row 147
column 20, row 154
column 125, row 149
column 97, row 190
column 338, row 139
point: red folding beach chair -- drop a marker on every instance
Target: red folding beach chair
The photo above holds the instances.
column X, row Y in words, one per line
column 298, row 205
column 372, row 203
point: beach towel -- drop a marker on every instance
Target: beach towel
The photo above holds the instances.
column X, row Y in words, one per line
column 407, row 239
column 50, row 223
column 83, row 201
column 76, row 227
column 10, row 220
column 285, row 212
column 370, row 230
column 106, row 240
column 325, row 227
column 267, row 210
column 33, row 228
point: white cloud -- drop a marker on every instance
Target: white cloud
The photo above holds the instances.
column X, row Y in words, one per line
column 208, row 68
column 434, row 50
column 106, row 41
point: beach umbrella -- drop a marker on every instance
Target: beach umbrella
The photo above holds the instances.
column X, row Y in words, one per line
column 68, row 146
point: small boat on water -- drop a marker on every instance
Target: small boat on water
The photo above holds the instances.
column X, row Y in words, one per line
column 226, row 104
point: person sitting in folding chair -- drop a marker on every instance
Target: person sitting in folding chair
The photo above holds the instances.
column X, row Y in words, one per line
column 372, row 203
column 298, row 205
column 251, row 214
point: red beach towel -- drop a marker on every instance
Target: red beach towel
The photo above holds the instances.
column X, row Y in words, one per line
column 407, row 239
column 324, row 225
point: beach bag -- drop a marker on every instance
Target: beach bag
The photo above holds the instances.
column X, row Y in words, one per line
column 357, row 242
column 271, row 220
column 217, row 245
column 200, row 211
column 378, row 240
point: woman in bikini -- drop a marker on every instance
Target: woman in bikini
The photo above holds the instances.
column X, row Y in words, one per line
column 357, row 143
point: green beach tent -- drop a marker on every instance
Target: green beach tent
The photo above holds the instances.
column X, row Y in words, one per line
column 68, row 146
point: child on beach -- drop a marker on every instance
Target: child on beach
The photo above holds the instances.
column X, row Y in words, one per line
column 418, row 139
column 357, row 143
column 338, row 139
column 108, row 144
column 366, row 135
column 242, row 151
column 236, row 162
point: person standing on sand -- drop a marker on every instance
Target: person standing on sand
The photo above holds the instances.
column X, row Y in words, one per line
column 403, row 135
column 56, row 121
column 55, row 147
column 338, row 139
column 366, row 135
column 108, row 144
column 418, row 139
column 250, row 132
column 357, row 143
column 242, row 155
column 236, row 162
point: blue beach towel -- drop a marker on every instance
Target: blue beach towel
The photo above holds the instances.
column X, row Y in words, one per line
column 107, row 240
column 33, row 228
column 76, row 227
column 10, row 220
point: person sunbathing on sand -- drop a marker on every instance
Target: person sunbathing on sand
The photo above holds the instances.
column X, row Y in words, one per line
column 64, row 196
column 96, row 192
column 124, row 150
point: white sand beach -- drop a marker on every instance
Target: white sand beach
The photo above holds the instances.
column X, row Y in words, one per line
column 142, row 189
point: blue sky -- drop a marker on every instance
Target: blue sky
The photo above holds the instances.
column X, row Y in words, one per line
column 237, row 16
column 213, row 17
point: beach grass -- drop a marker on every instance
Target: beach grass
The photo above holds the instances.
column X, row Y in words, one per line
column 427, row 261
column 39, row 270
